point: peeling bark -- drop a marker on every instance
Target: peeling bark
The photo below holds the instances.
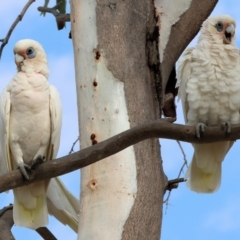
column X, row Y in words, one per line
column 126, row 48
column 108, row 188
column 128, row 33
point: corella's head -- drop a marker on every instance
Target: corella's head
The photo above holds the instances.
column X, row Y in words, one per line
column 30, row 57
column 219, row 29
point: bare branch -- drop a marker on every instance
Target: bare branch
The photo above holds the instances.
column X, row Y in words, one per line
column 185, row 163
column 173, row 184
column 155, row 129
column 72, row 148
column 45, row 233
column 3, row 210
column 191, row 20
column 56, row 14
column 6, row 223
column 18, row 19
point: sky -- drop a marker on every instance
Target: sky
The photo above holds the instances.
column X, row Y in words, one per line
column 188, row 215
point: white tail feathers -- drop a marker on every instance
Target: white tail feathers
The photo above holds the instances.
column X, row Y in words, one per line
column 30, row 217
column 200, row 181
column 62, row 204
column 31, row 210
column 204, row 172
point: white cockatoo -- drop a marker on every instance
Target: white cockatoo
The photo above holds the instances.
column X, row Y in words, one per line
column 209, row 88
column 30, row 126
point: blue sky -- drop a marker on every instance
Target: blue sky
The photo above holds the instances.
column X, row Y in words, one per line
column 189, row 215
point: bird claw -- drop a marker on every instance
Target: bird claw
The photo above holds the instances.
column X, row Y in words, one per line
column 37, row 161
column 23, row 166
column 227, row 126
column 200, row 129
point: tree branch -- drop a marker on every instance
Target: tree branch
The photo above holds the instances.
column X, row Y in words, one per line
column 184, row 30
column 188, row 25
column 45, row 233
column 173, row 184
column 6, row 223
column 185, row 163
column 72, row 148
column 56, row 14
column 18, row 19
column 155, row 129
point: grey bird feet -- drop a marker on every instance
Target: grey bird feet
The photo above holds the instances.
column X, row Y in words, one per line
column 227, row 126
column 22, row 166
column 200, row 129
column 37, row 161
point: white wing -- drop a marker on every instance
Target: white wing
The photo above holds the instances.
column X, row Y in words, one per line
column 5, row 107
column 56, row 122
column 62, row 204
column 183, row 74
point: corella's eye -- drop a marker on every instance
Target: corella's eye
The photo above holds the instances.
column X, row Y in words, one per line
column 219, row 26
column 31, row 53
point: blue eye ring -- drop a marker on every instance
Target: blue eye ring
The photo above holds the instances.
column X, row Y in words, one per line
column 31, row 52
column 219, row 26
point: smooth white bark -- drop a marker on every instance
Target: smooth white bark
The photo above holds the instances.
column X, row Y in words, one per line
column 108, row 188
column 169, row 12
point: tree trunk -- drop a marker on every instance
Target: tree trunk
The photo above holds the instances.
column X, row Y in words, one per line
column 120, row 85
column 117, row 63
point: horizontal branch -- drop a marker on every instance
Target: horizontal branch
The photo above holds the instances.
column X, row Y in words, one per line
column 161, row 128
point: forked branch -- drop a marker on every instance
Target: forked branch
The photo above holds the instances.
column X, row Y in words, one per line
column 55, row 13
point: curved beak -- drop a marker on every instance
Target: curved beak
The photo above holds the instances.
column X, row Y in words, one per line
column 229, row 34
column 18, row 58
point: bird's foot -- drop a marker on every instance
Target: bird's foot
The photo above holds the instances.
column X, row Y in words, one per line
column 23, row 166
column 227, row 126
column 37, row 161
column 200, row 129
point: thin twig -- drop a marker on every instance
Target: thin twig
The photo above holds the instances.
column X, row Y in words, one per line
column 174, row 185
column 72, row 148
column 185, row 163
column 17, row 20
column 89, row 155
